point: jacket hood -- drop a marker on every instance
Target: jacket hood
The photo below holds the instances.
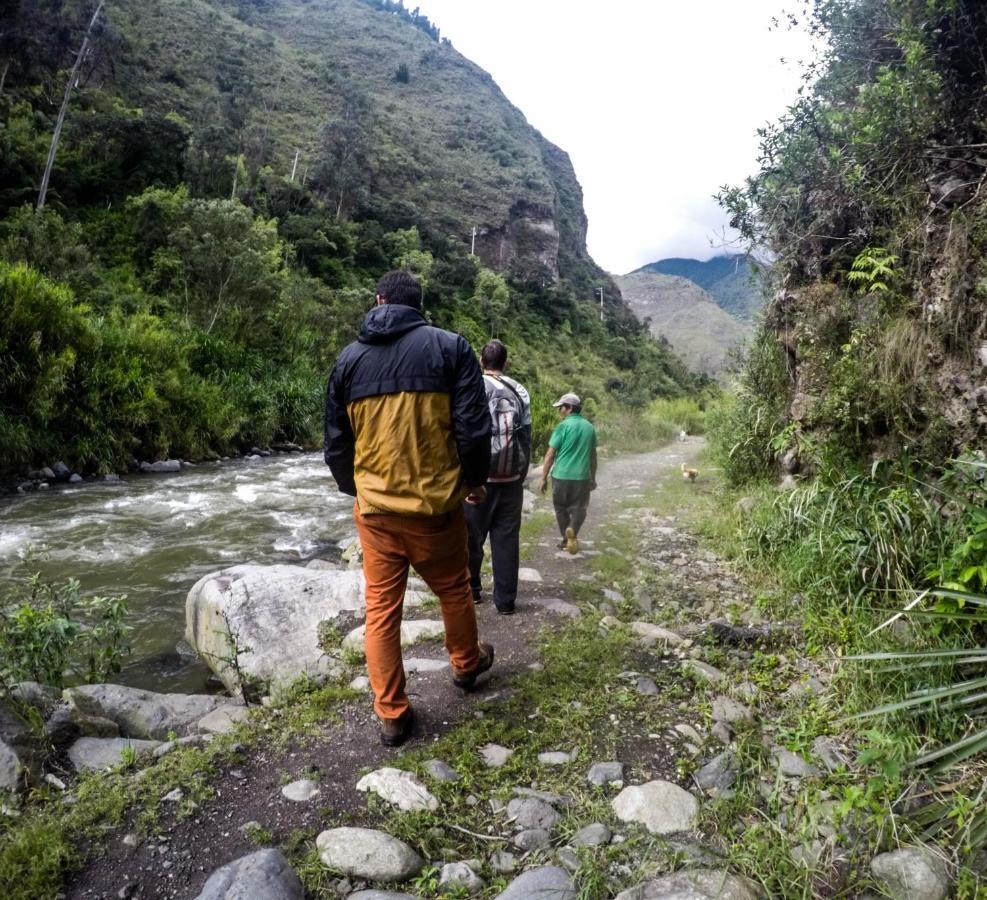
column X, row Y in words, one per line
column 386, row 323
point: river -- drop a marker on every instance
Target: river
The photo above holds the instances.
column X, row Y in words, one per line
column 152, row 537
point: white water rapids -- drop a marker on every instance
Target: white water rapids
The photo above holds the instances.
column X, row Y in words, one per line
column 152, row 537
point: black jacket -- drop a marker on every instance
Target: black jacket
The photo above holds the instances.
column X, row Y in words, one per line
column 398, row 351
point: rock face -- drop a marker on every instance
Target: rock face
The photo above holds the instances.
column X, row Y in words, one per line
column 662, row 807
column 547, row 883
column 693, row 884
column 145, row 714
column 399, row 788
column 912, row 872
column 11, row 771
column 267, row 618
column 265, row 873
column 369, row 854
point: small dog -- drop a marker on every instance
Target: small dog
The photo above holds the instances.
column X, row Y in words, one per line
column 689, row 474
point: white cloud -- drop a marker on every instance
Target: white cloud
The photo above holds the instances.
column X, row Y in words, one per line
column 657, row 102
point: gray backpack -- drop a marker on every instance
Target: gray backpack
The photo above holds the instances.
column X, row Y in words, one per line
column 508, row 458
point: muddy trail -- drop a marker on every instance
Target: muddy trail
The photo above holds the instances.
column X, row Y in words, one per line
column 679, row 586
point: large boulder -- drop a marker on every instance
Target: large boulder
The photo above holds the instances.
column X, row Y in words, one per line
column 369, row 854
column 264, row 874
column 145, row 714
column 92, row 754
column 260, row 624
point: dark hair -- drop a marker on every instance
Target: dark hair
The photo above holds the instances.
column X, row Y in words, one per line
column 494, row 355
column 400, row 287
column 573, row 407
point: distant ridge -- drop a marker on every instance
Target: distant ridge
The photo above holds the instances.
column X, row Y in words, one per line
column 729, row 279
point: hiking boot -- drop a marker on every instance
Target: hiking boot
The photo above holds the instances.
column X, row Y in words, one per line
column 505, row 610
column 571, row 544
column 477, row 596
column 394, row 732
column 562, row 543
column 467, row 681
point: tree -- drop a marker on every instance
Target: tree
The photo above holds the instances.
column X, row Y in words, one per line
column 492, row 296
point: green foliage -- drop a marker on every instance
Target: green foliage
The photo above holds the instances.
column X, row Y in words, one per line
column 54, row 634
column 873, row 270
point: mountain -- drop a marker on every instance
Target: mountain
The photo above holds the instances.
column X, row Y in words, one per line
column 232, row 178
column 681, row 312
column 729, row 280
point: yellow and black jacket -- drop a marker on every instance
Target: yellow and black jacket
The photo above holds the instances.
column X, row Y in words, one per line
column 407, row 427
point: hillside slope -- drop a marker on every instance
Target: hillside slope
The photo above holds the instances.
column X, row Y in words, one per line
column 729, row 280
column 681, row 312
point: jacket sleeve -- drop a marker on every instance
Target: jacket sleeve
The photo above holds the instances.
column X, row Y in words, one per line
column 340, row 444
column 470, row 416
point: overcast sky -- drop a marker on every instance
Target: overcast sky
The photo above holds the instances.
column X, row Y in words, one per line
column 656, row 101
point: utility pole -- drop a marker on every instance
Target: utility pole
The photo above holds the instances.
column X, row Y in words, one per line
column 294, row 165
column 600, row 289
column 473, row 243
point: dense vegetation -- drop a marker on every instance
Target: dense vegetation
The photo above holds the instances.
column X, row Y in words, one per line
column 232, row 178
column 864, row 383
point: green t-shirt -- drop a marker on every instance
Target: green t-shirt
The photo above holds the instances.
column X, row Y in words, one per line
column 574, row 441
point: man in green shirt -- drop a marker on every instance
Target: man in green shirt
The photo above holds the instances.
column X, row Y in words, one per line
column 571, row 461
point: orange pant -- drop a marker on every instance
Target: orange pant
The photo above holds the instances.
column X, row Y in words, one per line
column 436, row 547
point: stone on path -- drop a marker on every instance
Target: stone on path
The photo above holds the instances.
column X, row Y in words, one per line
column 494, row 755
column 460, row 876
column 441, row 771
column 379, row 895
column 366, row 853
column 606, row 773
column 646, row 687
column 557, row 758
column 656, row 633
column 662, row 807
column 360, row 683
column 265, row 873
column 503, row 863
column 224, row 719
column 145, row 714
column 703, row 671
column 547, row 883
column 561, row 608
column 791, row 765
column 912, row 872
column 91, row 754
column 399, row 788
column 412, row 631
column 416, row 665
column 595, row 835
column 532, row 575
column 829, row 752
column 300, row 791
column 530, row 812
column 719, row 773
column 275, row 611
column 532, row 839
column 693, row 884
column 730, row 711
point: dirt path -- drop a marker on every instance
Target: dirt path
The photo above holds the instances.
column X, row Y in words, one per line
column 179, row 857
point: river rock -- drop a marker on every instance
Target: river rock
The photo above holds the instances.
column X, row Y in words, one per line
column 300, row 791
column 532, row 839
column 162, row 466
column 412, row 631
column 719, row 773
column 272, row 615
column 530, row 812
column 144, row 714
column 459, row 876
column 532, row 575
column 791, row 765
column 605, row 773
column 656, row 633
column 441, row 771
column 494, row 756
column 60, row 472
column 90, row 754
column 379, row 895
column 417, row 666
column 595, row 835
column 11, row 770
column 912, row 872
column 662, row 807
column 730, row 711
column 693, row 884
column 265, row 873
column 366, row 853
column 546, row 883
column 223, row 719
column 399, row 788
column 702, row 671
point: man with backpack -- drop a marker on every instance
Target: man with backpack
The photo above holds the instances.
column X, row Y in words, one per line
column 499, row 515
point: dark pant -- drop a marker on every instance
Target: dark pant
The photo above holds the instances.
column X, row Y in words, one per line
column 500, row 517
column 570, row 498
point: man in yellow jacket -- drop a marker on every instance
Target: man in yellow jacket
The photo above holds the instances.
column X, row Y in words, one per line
column 407, row 432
